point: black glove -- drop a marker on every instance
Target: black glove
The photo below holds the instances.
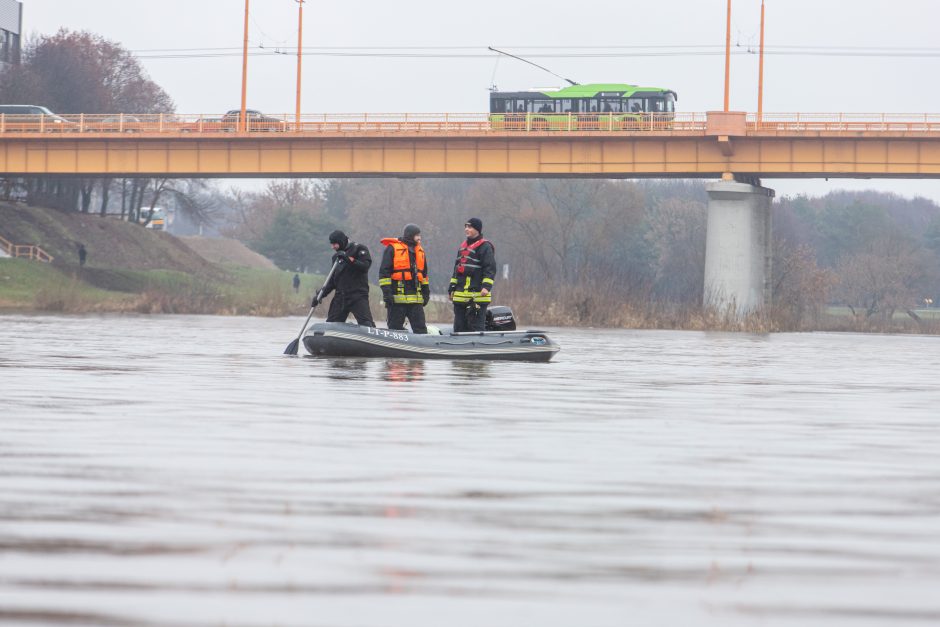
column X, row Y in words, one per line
column 339, row 256
column 316, row 300
column 426, row 296
column 389, row 302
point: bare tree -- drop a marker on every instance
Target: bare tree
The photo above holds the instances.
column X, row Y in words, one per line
column 79, row 72
column 676, row 234
column 894, row 275
column 801, row 288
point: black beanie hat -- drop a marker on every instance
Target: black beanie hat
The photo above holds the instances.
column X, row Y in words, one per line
column 476, row 223
column 338, row 237
column 410, row 231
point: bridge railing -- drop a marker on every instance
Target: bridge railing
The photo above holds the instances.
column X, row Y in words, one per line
column 457, row 123
column 462, row 123
column 845, row 122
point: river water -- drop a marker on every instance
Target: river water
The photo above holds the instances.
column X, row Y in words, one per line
column 178, row 470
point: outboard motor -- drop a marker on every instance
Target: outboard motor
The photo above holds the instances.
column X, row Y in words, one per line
column 499, row 318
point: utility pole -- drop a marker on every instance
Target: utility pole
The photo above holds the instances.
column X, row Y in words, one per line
column 241, row 119
column 727, row 61
column 300, row 45
column 760, row 71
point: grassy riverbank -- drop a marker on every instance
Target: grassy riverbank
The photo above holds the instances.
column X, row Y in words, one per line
column 132, row 269
column 33, row 286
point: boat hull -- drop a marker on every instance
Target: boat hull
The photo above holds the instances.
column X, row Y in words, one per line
column 340, row 339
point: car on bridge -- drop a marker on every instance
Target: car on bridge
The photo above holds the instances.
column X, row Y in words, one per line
column 31, row 118
column 228, row 123
column 256, row 121
column 119, row 123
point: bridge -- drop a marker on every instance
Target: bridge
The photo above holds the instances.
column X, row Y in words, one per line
column 687, row 145
column 737, row 148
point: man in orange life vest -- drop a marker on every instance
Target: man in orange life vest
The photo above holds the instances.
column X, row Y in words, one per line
column 472, row 282
column 403, row 277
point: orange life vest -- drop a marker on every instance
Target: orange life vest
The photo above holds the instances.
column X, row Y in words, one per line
column 401, row 262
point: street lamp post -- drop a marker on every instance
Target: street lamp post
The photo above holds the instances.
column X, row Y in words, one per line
column 760, row 71
column 241, row 119
column 300, row 45
column 728, row 61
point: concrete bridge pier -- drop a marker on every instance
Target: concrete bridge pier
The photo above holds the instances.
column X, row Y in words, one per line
column 738, row 252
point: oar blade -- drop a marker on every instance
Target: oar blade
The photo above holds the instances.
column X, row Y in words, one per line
column 292, row 348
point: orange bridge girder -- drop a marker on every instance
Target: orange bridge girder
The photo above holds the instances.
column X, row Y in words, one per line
column 728, row 143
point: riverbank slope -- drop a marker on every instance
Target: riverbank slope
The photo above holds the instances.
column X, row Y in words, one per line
column 133, row 269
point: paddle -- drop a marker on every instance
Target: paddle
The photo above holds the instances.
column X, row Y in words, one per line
column 294, row 345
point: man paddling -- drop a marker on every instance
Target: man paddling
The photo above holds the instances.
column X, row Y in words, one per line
column 350, row 279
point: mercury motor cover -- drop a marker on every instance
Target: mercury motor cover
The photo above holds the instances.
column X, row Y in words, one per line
column 499, row 318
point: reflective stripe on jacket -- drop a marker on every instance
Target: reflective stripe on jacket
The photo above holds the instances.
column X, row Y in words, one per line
column 474, row 269
column 403, row 277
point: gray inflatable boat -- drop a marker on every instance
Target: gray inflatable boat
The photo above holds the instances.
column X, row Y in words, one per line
column 340, row 339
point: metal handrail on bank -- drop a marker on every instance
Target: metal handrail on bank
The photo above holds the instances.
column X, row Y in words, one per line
column 24, row 250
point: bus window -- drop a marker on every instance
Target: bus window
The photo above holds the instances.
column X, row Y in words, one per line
column 544, row 106
column 670, row 103
column 520, row 106
column 592, row 107
column 635, row 105
column 657, row 105
column 612, row 106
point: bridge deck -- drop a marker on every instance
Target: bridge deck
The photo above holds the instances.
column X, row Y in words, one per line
column 684, row 145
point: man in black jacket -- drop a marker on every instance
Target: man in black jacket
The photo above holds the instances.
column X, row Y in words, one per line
column 471, row 285
column 350, row 280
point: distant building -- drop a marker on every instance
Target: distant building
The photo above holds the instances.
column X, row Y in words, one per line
column 11, row 25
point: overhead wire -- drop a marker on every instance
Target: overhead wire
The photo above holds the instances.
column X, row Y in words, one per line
column 545, row 52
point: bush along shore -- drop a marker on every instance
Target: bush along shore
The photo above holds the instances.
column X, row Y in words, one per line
column 135, row 270
column 40, row 287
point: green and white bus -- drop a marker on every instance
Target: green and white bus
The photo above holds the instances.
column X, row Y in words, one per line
column 602, row 106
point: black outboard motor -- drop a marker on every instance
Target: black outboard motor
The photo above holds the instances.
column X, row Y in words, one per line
column 499, row 318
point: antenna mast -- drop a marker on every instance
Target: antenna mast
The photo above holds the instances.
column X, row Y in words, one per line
column 535, row 64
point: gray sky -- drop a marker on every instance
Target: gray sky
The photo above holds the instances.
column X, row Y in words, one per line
column 825, row 81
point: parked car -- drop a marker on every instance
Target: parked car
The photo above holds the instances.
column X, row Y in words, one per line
column 20, row 118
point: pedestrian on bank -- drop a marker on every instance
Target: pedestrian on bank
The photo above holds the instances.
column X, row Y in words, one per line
column 296, row 283
column 350, row 279
column 471, row 285
column 82, row 255
column 403, row 277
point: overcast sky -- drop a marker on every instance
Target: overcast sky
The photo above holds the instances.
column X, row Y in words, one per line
column 868, row 56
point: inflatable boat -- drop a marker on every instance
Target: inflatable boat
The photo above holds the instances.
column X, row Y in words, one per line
column 500, row 341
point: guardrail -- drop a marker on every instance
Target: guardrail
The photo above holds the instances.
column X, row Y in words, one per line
column 455, row 123
column 845, row 122
column 462, row 123
column 25, row 250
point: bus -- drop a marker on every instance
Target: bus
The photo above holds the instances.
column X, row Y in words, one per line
column 158, row 221
column 595, row 107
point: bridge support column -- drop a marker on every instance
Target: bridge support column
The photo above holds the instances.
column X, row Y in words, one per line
column 738, row 251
